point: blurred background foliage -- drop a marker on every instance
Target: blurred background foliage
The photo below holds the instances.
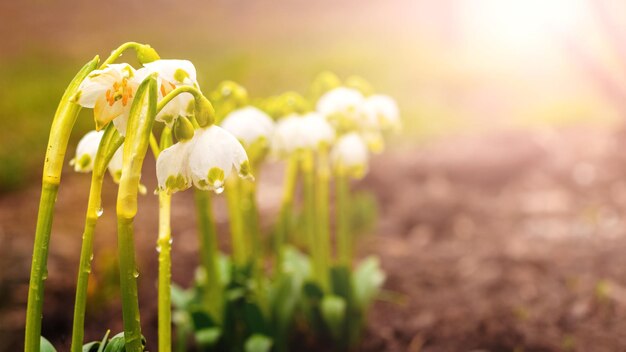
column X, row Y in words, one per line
column 442, row 61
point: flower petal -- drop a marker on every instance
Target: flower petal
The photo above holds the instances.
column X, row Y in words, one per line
column 86, row 151
column 249, row 124
column 172, row 167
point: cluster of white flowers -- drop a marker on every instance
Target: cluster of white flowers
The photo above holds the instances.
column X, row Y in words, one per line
column 205, row 160
column 345, row 120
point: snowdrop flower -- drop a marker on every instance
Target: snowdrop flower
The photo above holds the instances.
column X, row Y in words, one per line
column 350, row 155
column 214, row 155
column 86, row 151
column 383, row 111
column 342, row 106
column 205, row 160
column 109, row 92
column 173, row 74
column 316, row 131
column 172, row 167
column 249, row 125
column 297, row 132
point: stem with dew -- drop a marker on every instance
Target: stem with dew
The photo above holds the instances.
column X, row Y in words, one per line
column 62, row 125
column 140, row 121
column 111, row 141
column 164, row 246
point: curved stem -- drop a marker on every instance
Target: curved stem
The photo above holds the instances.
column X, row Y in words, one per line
column 62, row 125
column 178, row 90
column 164, row 247
column 111, row 141
column 209, row 253
column 115, row 54
column 141, row 119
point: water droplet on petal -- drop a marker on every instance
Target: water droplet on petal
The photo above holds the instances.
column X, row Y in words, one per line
column 219, row 190
column 171, row 240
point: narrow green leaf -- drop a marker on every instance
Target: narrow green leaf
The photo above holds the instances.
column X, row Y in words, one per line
column 258, row 343
column 46, row 346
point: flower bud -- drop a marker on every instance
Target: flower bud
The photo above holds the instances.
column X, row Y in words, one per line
column 360, row 84
column 183, row 129
column 204, row 112
column 146, row 54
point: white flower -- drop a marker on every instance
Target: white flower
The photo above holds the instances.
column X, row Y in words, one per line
column 109, row 92
column 213, row 156
column 249, row 125
column 350, row 154
column 296, row 132
column 342, row 102
column 172, row 167
column 170, row 75
column 86, row 151
column 115, row 165
column 383, row 110
column 315, row 130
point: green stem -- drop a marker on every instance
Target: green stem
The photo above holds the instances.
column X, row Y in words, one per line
column 165, row 274
column 322, row 210
column 141, row 119
column 235, row 212
column 344, row 237
column 178, row 90
column 307, row 164
column 111, row 141
column 62, row 125
column 209, row 253
column 139, row 48
column 286, row 208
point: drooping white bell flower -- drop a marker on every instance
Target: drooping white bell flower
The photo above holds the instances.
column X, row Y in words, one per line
column 214, row 154
column 86, row 151
column 343, row 107
column 297, row 132
column 315, row 130
column 249, row 125
column 350, row 155
column 383, row 110
column 109, row 92
column 170, row 75
column 172, row 167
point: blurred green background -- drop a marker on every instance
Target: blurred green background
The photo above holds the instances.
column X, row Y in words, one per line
column 449, row 74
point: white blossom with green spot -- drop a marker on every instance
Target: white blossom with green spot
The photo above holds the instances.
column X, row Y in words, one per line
column 213, row 156
column 249, row 125
column 173, row 167
column 86, row 151
column 172, row 74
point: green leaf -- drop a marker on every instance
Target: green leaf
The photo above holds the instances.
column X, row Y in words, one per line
column 92, row 346
column 104, row 341
column 45, row 345
column 341, row 283
column 202, row 320
column 208, row 337
column 116, row 343
column 313, row 291
column 334, row 312
column 258, row 343
column 296, row 263
column 255, row 320
column 367, row 280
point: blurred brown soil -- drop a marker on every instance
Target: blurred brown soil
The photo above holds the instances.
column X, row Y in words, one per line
column 509, row 242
